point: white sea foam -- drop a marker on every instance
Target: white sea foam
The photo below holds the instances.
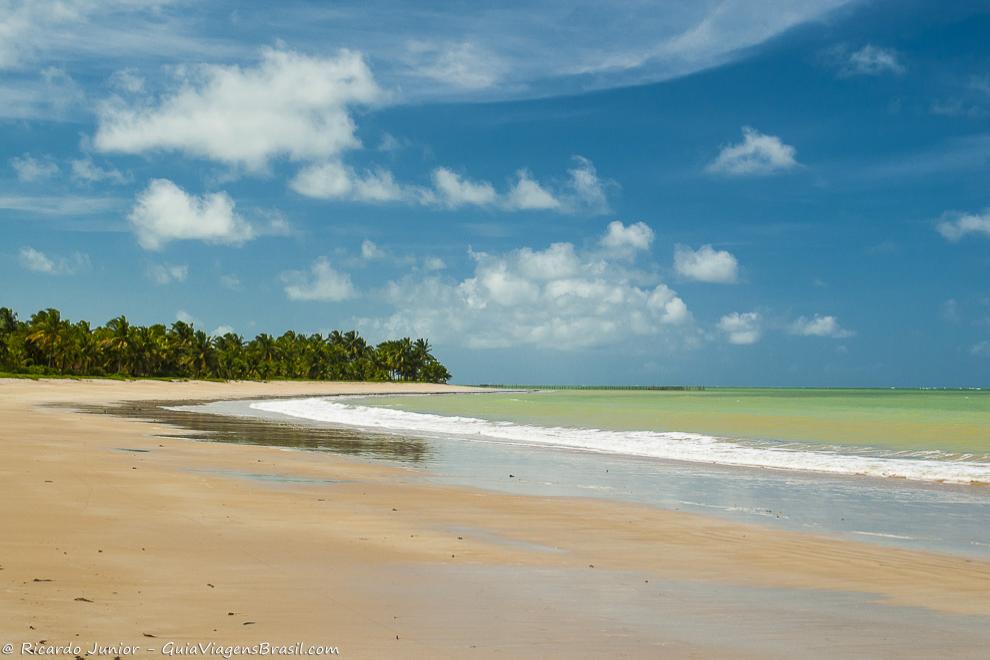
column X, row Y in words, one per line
column 693, row 447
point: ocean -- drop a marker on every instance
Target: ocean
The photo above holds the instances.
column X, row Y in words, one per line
column 909, row 468
column 941, row 436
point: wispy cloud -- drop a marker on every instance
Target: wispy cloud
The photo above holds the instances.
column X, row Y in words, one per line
column 548, row 47
column 162, row 274
column 955, row 227
column 57, row 205
column 39, row 262
column 30, row 169
column 868, row 60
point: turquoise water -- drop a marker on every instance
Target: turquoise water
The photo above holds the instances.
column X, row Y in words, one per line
column 952, row 424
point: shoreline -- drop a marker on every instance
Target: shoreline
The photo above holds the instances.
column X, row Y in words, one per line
column 167, row 541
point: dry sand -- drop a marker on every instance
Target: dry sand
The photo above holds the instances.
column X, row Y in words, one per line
column 101, row 544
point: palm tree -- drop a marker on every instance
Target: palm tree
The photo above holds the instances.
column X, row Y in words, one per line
column 198, row 358
column 47, row 336
column 50, row 343
column 229, row 351
column 119, row 344
column 83, row 351
column 264, row 356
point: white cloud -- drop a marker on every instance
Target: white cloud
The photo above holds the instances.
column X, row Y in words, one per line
column 819, row 326
column 230, row 281
column 29, row 168
column 222, row 330
column 74, row 30
column 528, row 194
column 455, row 191
column 627, row 239
column 557, row 297
column 164, row 212
column 58, row 205
column 290, row 105
column 981, row 349
column 462, row 65
column 168, row 273
column 581, row 192
column 334, row 180
column 963, row 225
column 39, row 262
column 585, row 191
column 551, row 48
column 84, row 169
column 128, row 81
column 433, row 264
column 757, row 154
column 871, row 61
column 186, row 317
column 370, row 251
column 322, row 282
column 742, row 329
column 706, row 264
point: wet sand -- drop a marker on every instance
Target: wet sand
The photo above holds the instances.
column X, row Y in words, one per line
column 116, row 530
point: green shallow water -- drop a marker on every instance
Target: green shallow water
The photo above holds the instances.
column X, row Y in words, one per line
column 954, row 421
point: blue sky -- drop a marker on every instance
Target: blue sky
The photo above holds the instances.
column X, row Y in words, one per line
column 745, row 193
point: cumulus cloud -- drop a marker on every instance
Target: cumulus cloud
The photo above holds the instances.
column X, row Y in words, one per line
column 39, row 262
column 164, row 212
column 742, row 329
column 334, row 180
column 85, row 170
column 556, row 297
column 455, row 191
column 706, row 264
column 322, row 283
column 434, row 263
column 627, row 239
column 955, row 228
column 869, row 60
column 981, row 349
column 370, row 251
column 168, row 273
column 757, row 154
column 528, row 194
column 290, row 105
column 582, row 191
column 30, row 169
column 819, row 326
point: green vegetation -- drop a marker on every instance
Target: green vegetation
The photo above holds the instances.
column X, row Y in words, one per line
column 51, row 345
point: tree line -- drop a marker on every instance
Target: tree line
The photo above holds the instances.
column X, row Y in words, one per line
column 48, row 344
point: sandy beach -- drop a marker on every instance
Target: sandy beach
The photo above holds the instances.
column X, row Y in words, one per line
column 116, row 534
